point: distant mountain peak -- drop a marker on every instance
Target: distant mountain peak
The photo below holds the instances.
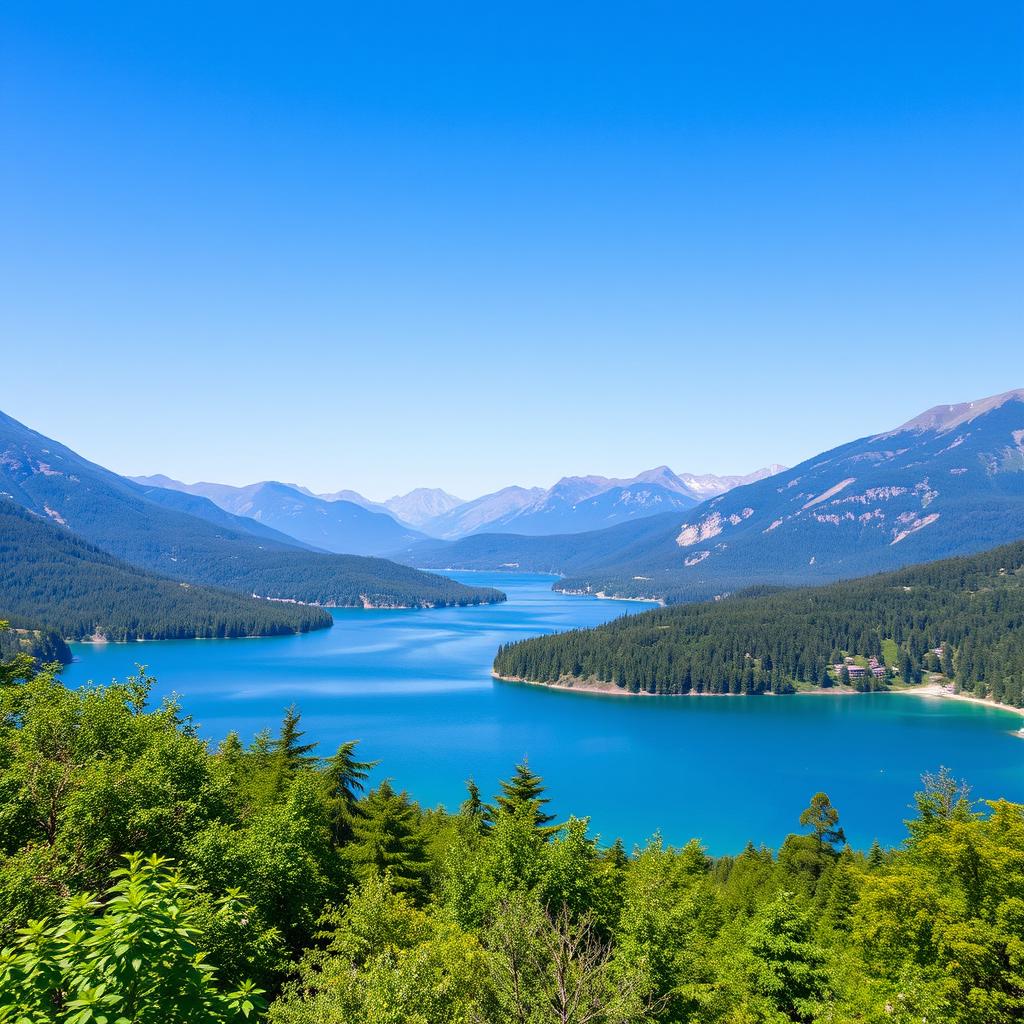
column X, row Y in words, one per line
column 943, row 418
column 709, row 485
column 422, row 504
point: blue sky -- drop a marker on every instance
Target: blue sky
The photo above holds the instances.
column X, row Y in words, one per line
column 385, row 245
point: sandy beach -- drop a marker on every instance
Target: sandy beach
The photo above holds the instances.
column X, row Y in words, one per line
column 936, row 690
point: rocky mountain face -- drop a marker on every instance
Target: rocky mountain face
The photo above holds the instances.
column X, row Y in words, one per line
column 476, row 515
column 948, row 482
column 707, row 485
column 577, row 504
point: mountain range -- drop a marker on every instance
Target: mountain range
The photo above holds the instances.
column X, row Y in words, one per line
column 346, row 522
column 335, row 525
column 948, row 482
column 185, row 538
column 577, row 504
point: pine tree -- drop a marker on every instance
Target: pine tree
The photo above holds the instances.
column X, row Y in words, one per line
column 344, row 778
column 947, row 661
column 472, row 807
column 823, row 820
column 524, row 789
column 288, row 754
column 230, row 748
column 388, row 840
column 615, row 855
column 261, row 743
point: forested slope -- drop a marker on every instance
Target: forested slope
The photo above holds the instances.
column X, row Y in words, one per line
column 51, row 578
column 970, row 609
column 42, row 645
column 217, row 550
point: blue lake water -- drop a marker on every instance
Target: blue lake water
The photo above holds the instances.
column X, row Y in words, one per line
column 415, row 687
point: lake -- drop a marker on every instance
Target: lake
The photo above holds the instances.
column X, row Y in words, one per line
column 415, row 687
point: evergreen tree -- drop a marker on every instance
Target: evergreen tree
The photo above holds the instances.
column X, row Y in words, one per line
column 388, row 840
column 473, row 808
column 261, row 743
column 288, row 755
column 876, row 858
column 823, row 820
column 287, row 748
column 523, row 790
column 230, row 748
column 615, row 855
column 947, row 661
column 344, row 778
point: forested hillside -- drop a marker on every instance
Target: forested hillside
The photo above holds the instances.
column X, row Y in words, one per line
column 41, row 645
column 963, row 617
column 262, row 874
column 217, row 549
column 51, row 578
column 567, row 553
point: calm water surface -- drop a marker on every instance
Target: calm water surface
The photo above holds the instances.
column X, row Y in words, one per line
column 415, row 688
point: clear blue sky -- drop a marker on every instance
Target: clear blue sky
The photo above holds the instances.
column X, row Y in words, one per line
column 380, row 246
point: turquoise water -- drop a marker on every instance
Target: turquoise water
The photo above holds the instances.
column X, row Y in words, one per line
column 415, row 687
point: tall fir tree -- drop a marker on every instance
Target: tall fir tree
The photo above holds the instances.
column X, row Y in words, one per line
column 288, row 754
column 344, row 778
column 524, row 790
column 388, row 840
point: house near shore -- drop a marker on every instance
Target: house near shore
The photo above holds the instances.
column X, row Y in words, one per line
column 855, row 671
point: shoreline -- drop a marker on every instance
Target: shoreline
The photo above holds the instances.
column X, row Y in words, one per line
column 935, row 690
column 932, row 690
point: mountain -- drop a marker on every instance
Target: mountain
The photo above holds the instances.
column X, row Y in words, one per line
column 477, row 514
column 578, row 504
column 707, row 485
column 204, row 508
column 421, row 505
column 416, row 508
column 581, row 504
column 575, row 504
column 354, row 496
column 123, row 519
column 948, row 482
column 959, row 617
column 51, row 577
column 558, row 554
column 339, row 526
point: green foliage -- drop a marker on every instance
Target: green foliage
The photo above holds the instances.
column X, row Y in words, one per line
column 785, row 965
column 23, row 650
column 344, row 778
column 969, row 608
column 523, row 792
column 387, row 962
column 132, row 955
column 482, row 916
column 388, row 840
